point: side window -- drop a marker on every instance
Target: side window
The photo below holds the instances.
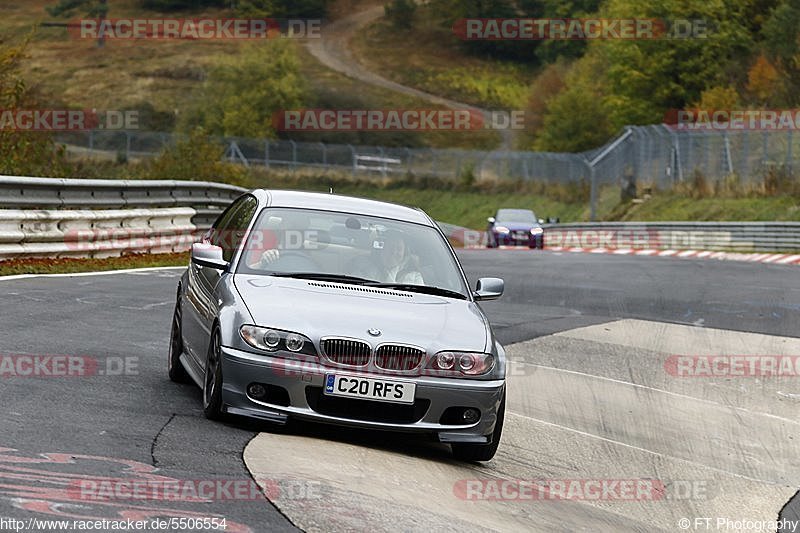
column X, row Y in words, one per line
column 228, row 230
column 237, row 226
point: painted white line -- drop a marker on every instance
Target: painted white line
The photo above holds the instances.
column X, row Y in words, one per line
column 645, row 450
column 623, row 251
column 687, row 253
column 85, row 274
column 772, row 258
column 704, row 254
column 598, row 251
column 667, row 253
column 646, row 252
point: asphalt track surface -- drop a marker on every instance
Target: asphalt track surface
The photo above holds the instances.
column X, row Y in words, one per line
column 589, row 400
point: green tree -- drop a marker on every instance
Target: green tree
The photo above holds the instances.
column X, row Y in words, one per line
column 782, row 43
column 401, row 13
column 92, row 8
column 577, row 118
column 242, row 93
column 195, row 158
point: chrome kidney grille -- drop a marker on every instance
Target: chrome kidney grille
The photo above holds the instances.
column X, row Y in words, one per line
column 346, row 351
column 397, row 357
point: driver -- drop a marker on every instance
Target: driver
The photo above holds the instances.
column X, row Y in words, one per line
column 289, row 223
column 397, row 264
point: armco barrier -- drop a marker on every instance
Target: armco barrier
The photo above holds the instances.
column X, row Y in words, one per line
column 206, row 198
column 771, row 237
column 716, row 236
column 169, row 209
column 100, row 218
column 101, row 233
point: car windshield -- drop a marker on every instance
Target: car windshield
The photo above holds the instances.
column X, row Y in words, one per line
column 515, row 215
column 351, row 248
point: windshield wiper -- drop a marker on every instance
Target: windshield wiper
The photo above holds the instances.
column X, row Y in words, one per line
column 426, row 289
column 321, row 277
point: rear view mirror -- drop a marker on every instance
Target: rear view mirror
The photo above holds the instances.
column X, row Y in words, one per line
column 208, row 255
column 489, row 289
column 491, row 220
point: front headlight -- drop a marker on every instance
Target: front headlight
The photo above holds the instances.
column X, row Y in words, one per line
column 537, row 231
column 277, row 341
column 501, row 229
column 461, row 363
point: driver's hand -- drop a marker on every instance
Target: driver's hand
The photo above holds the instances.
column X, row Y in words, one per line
column 269, row 257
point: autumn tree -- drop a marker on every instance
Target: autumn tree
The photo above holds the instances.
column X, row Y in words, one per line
column 763, row 80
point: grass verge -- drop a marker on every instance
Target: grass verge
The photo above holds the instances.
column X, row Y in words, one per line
column 46, row 265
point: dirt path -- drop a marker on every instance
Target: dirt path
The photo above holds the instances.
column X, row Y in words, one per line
column 333, row 50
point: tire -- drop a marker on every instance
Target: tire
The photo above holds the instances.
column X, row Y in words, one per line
column 212, row 381
column 177, row 372
column 483, row 452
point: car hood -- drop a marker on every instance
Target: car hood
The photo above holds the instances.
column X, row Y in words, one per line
column 319, row 309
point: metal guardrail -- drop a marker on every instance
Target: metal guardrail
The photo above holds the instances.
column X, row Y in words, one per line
column 206, row 198
column 764, row 237
column 95, row 233
column 112, row 204
column 715, row 236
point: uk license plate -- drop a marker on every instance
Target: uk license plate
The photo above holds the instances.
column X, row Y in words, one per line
column 370, row 389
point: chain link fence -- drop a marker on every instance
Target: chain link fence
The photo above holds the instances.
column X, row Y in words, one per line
column 654, row 155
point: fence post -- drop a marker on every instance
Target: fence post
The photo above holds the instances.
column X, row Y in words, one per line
column 592, row 193
column 384, row 164
column 789, row 157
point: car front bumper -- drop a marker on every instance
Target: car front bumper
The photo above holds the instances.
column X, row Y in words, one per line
column 303, row 383
column 512, row 239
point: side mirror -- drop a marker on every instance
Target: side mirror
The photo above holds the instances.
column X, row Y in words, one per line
column 489, row 289
column 491, row 220
column 208, row 255
column 541, row 221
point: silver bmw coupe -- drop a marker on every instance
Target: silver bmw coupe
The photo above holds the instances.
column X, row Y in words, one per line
column 343, row 311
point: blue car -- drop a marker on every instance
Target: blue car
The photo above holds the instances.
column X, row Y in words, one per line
column 515, row 227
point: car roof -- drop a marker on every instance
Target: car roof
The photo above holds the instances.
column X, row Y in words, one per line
column 345, row 204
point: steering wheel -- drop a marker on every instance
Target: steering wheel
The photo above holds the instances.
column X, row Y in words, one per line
column 294, row 261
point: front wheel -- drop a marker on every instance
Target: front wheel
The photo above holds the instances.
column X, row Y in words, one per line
column 483, row 452
column 212, row 381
